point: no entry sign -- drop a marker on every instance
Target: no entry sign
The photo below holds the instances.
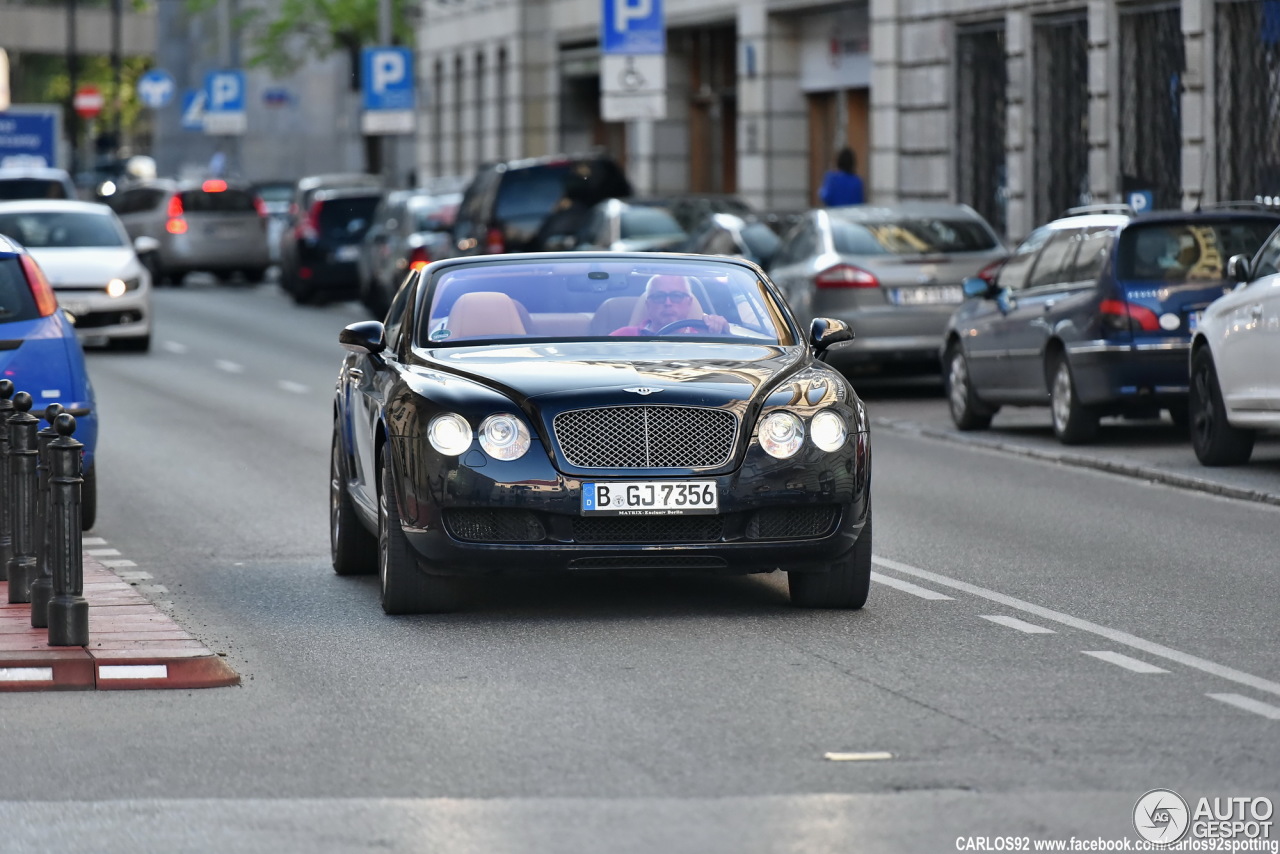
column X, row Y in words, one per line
column 87, row 102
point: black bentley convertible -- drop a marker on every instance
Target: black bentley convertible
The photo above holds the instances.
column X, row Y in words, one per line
column 599, row 412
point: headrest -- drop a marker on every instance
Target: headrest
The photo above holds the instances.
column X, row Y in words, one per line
column 485, row 313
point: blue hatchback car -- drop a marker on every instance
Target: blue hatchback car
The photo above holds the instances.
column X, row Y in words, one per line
column 1092, row 315
column 40, row 353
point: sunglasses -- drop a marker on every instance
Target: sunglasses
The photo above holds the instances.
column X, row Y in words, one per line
column 663, row 296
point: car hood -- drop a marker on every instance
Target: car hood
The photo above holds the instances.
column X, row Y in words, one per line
column 562, row 375
column 86, row 266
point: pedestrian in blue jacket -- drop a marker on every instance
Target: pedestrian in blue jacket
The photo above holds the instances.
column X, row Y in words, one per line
column 840, row 186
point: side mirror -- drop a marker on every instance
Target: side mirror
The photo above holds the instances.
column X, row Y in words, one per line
column 1238, row 269
column 825, row 331
column 363, row 337
column 979, row 288
column 144, row 245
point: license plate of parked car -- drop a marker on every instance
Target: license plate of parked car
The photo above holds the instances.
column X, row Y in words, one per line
column 1193, row 320
column 650, row 498
column 347, row 253
column 927, row 295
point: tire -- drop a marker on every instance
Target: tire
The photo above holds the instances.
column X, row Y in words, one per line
column 89, row 498
column 353, row 549
column 406, row 589
column 254, row 275
column 1214, row 440
column 137, row 344
column 1073, row 422
column 845, row 585
column 967, row 412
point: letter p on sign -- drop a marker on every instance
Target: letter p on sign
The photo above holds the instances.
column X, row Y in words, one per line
column 388, row 70
column 625, row 11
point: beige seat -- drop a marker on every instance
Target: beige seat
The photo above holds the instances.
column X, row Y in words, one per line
column 613, row 313
column 485, row 313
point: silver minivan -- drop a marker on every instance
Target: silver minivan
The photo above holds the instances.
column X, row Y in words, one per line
column 211, row 225
column 892, row 272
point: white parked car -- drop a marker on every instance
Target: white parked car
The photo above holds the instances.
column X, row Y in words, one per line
column 1235, row 386
column 94, row 269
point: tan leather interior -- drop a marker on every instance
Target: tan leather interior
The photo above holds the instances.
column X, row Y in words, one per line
column 482, row 313
column 613, row 313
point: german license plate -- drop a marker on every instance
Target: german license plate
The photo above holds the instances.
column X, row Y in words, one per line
column 347, row 253
column 1193, row 320
column 76, row 307
column 927, row 295
column 650, row 498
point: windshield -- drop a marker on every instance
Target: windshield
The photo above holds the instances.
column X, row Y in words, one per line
column 913, row 236
column 600, row 299
column 648, row 222
column 434, row 213
column 32, row 188
column 61, row 229
column 1186, row 251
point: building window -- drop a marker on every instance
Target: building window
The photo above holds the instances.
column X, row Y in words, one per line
column 458, row 104
column 1248, row 99
column 481, row 106
column 437, row 120
column 1061, row 74
column 1152, row 60
column 500, row 97
column 982, row 81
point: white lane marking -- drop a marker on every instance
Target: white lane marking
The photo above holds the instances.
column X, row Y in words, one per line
column 1126, row 662
column 857, row 757
column 1020, row 625
column 1249, row 705
column 908, row 587
column 174, row 347
column 292, row 387
column 133, row 671
column 26, row 674
column 229, row 367
column 116, row 563
column 102, row 552
column 1123, row 638
column 92, row 541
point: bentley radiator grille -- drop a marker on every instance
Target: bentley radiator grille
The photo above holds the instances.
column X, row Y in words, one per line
column 791, row 523
column 483, row 525
column 627, row 437
column 648, row 529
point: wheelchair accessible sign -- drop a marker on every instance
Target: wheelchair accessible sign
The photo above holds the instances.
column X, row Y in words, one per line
column 387, row 91
column 633, row 67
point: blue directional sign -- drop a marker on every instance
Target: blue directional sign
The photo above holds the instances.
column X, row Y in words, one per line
column 28, row 139
column 156, row 88
column 632, row 26
column 193, row 109
column 224, row 92
column 1141, row 201
column 387, row 77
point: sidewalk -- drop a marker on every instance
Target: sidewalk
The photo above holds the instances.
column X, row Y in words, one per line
column 132, row 644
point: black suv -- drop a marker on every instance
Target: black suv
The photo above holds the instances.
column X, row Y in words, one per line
column 323, row 250
column 1093, row 315
column 507, row 204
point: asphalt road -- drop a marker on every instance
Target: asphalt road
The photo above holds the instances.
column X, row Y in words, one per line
column 1045, row 643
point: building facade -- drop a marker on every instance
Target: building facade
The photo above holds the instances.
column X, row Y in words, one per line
column 1020, row 109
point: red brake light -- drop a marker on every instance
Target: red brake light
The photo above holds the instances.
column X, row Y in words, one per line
column 1125, row 315
column 175, row 206
column 493, row 242
column 46, row 299
column 176, row 224
column 845, row 276
column 260, row 206
column 419, row 258
column 309, row 228
column 214, row 185
column 988, row 273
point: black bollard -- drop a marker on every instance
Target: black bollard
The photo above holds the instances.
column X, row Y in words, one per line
column 42, row 581
column 22, row 494
column 6, row 506
column 68, row 609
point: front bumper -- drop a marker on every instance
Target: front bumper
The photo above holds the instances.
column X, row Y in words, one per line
column 1153, row 372
column 100, row 316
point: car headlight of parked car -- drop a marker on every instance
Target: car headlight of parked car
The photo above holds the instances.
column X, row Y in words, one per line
column 449, row 434
column 119, row 287
column 828, row 430
column 781, row 434
column 504, row 437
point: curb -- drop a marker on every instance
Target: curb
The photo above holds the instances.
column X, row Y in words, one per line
column 1132, row 470
column 132, row 645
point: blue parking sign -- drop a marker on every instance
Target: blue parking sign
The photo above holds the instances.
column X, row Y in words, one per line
column 224, row 92
column 632, row 26
column 387, row 78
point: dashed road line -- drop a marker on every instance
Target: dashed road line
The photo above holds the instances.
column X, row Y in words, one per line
column 908, row 587
column 174, row 347
column 1134, row 664
column 292, row 387
column 1122, row 638
column 873, row 756
column 1020, row 625
column 229, row 367
column 1248, row 704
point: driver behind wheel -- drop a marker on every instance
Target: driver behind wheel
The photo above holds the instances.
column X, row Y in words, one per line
column 668, row 300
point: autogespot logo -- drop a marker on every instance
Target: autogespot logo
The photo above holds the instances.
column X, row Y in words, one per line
column 1161, row 816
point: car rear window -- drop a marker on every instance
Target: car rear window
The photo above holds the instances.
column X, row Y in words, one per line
column 32, row 188
column 1180, row 251
column 530, row 192
column 916, row 236
column 648, row 222
column 344, row 218
column 61, row 229
column 16, row 301
column 227, row 201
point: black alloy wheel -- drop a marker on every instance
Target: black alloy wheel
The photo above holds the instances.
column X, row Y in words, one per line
column 967, row 412
column 353, row 549
column 1073, row 422
column 1214, row 440
column 845, row 585
column 406, row 589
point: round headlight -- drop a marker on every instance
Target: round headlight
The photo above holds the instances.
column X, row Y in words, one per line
column 504, row 437
column 449, row 434
column 781, row 434
column 116, row 288
column 828, row 430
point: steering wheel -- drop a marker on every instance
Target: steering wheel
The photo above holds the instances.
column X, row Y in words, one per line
column 688, row 323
